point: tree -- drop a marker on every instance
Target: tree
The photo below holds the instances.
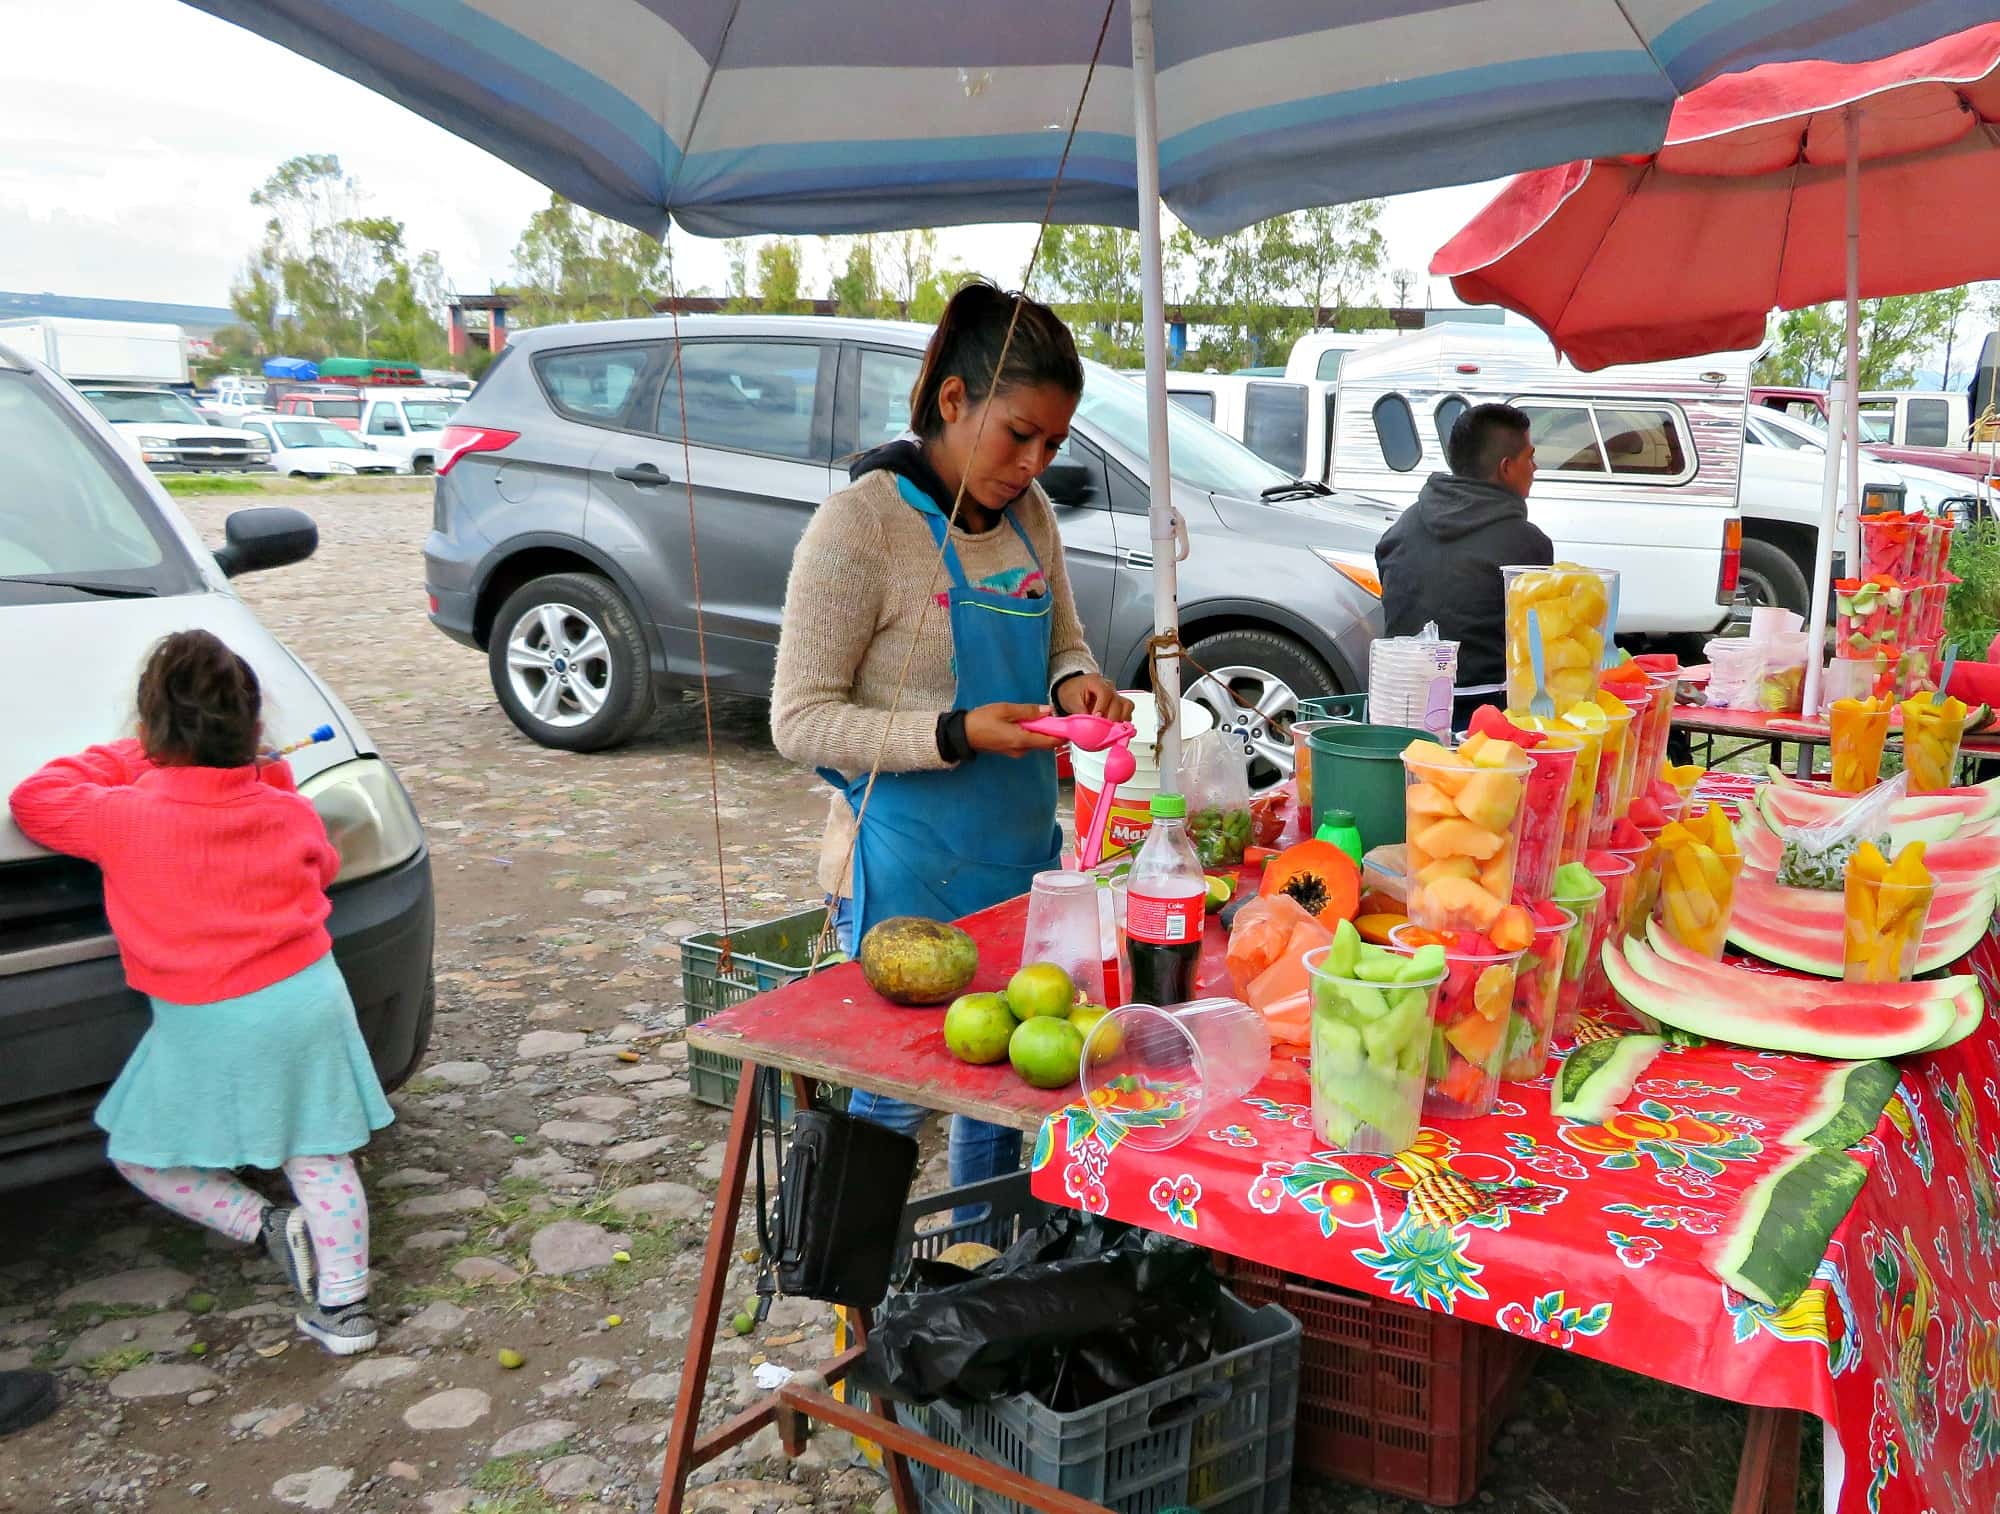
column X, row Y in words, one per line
column 857, row 288
column 908, row 260
column 574, row 265
column 1895, row 334
column 1336, row 252
column 1093, row 273
column 1402, row 281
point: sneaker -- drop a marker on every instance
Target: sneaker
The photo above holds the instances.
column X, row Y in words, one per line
column 343, row 1329
column 288, row 1242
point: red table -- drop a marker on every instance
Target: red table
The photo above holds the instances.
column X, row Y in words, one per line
column 1584, row 1238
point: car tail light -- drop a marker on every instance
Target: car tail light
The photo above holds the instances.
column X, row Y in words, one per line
column 459, row 440
column 1732, row 562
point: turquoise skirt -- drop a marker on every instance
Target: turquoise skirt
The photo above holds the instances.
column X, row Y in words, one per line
column 250, row 1081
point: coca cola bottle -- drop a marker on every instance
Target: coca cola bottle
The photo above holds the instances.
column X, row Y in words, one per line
column 1166, row 901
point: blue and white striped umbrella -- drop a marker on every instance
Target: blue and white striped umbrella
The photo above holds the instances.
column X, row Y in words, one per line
column 801, row 116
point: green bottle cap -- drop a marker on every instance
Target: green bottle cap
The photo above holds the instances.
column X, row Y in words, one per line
column 1169, row 807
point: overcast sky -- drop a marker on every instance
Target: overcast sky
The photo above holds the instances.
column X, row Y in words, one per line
column 134, row 131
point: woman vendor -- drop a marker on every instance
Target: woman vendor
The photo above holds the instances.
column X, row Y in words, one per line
column 919, row 642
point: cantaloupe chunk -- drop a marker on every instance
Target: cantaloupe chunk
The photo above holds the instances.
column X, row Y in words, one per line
column 1463, row 902
column 1449, row 867
column 1490, row 798
column 1428, row 799
column 1460, row 838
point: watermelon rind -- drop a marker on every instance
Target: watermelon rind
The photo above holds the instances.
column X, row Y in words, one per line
column 1958, row 861
column 1848, row 1106
column 1903, row 827
column 1780, row 1231
column 1971, row 1009
column 1696, row 1002
column 1944, row 942
column 1800, row 806
column 1596, row 1077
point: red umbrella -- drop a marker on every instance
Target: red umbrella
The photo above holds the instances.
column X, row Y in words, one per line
column 1687, row 251
column 1625, row 260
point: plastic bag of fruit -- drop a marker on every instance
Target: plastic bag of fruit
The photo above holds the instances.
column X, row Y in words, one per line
column 1816, row 856
column 1268, row 943
column 1217, row 785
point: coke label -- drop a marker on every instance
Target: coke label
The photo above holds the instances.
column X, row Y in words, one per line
column 1165, row 922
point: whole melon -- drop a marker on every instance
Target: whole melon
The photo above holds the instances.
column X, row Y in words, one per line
column 908, row 960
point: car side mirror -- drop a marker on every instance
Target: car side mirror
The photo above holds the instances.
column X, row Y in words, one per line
column 269, row 536
column 392, row 428
column 1069, row 484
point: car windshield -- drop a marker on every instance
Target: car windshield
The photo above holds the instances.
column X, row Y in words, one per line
column 1788, row 433
column 64, row 510
column 318, row 434
column 429, row 415
column 156, row 405
column 1203, row 456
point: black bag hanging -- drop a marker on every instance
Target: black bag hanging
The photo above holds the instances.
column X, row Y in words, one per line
column 830, row 1234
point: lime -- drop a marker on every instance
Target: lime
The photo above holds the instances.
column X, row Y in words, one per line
column 1046, row 1052
column 1040, row 988
column 976, row 1028
column 1108, row 1042
column 509, row 1358
column 1220, row 892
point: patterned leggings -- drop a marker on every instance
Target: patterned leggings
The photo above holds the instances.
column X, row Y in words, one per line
column 330, row 1196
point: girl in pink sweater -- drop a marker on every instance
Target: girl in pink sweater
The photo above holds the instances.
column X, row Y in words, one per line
column 215, row 876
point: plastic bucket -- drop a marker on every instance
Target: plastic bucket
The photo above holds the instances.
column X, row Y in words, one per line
column 1360, row 768
column 1131, row 812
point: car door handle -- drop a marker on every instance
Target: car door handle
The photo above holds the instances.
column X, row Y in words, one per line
column 646, row 476
column 1132, row 558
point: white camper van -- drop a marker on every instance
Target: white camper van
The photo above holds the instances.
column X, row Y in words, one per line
column 1639, row 466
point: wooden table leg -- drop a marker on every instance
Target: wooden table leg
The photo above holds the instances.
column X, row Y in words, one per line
column 709, row 1297
column 893, row 1466
column 1767, row 1482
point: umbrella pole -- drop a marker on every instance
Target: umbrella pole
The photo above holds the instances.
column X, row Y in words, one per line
column 1851, row 537
column 1167, row 532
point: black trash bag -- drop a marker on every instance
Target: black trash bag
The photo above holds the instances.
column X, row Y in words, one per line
column 1076, row 1311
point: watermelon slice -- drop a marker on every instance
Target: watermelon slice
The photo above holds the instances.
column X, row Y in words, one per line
column 1776, row 809
column 1804, row 929
column 1595, row 1077
column 1723, row 1003
column 1959, row 858
column 1849, row 1105
column 1779, row 1234
column 1784, row 780
column 1971, row 1008
column 1783, row 806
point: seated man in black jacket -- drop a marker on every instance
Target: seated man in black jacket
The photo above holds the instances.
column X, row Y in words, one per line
column 1441, row 560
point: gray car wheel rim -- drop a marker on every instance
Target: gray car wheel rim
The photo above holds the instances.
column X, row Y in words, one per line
column 559, row 665
column 1254, row 709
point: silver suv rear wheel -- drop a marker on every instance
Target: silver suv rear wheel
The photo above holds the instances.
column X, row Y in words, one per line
column 569, row 664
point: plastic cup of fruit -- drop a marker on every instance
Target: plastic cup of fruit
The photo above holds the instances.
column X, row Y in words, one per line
column 1931, row 733
column 1659, row 729
column 1639, row 700
column 1885, row 544
column 1642, row 888
column 1469, row 1034
column 1370, row 1044
column 1856, row 731
column 1583, row 779
column 1885, row 929
column 1697, row 892
column 1302, row 763
column 1538, row 981
column 1544, row 814
column 1462, row 834
column 1577, row 955
column 1572, row 604
column 1606, row 805
column 1616, row 874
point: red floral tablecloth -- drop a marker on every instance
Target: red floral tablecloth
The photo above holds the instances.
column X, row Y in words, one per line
column 1593, row 1239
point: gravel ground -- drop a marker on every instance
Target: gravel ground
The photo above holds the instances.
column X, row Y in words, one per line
column 531, row 1148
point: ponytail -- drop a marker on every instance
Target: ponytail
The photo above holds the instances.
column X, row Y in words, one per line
column 968, row 344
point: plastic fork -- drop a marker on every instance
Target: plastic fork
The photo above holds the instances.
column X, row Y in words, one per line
column 1610, row 659
column 1542, row 706
column 1941, row 693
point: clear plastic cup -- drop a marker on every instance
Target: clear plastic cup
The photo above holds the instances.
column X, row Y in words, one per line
column 1544, row 814
column 1586, row 907
column 1538, row 981
column 1302, row 764
column 1371, row 1042
column 1856, row 732
column 1158, row 1075
column 1659, row 728
column 1696, row 894
column 1583, row 780
column 1640, row 702
column 1605, row 805
column 1616, row 874
column 1064, row 928
column 1931, row 734
column 1885, row 929
column 1111, row 899
column 1462, row 834
column 1644, row 888
column 1469, row 1034
column 1573, row 605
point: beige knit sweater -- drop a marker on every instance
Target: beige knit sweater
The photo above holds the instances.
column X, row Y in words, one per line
column 854, row 605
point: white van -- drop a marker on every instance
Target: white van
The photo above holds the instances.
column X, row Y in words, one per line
column 1639, row 466
column 1287, row 422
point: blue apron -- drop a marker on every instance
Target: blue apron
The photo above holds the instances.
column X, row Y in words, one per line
column 943, row 844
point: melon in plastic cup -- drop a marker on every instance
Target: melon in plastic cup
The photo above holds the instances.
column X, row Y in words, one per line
column 1572, row 604
column 1640, row 702
column 1641, row 890
column 1302, row 764
column 1371, row 1038
column 1469, row 1037
column 1583, row 777
column 1157, row 1075
column 1856, row 730
column 1658, row 730
column 1605, row 806
column 1462, row 832
column 1544, row 813
column 1931, row 733
column 1578, row 891
column 1697, row 883
column 1538, row 979
column 1615, row 874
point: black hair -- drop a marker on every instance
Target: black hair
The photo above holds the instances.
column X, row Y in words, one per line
column 199, row 704
column 1483, row 438
column 967, row 346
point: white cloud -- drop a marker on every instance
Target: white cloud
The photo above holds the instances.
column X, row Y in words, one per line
column 136, row 130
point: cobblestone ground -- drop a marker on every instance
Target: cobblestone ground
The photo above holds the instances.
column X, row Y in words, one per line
column 530, row 1150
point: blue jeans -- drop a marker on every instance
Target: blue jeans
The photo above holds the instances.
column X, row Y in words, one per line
column 975, row 1150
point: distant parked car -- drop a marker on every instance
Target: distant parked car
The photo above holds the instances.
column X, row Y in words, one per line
column 408, row 424
column 315, row 449
column 171, row 435
column 560, row 540
column 339, row 403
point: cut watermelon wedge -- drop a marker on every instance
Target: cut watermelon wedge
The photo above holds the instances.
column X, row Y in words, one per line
column 1960, row 859
column 1971, row 1009
column 1784, row 780
column 1791, row 806
column 1775, row 1013
column 1779, row 811
column 1804, row 929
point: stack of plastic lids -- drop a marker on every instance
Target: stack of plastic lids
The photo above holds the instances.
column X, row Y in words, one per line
column 1410, row 681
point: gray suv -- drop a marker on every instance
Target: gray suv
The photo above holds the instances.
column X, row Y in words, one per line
column 561, row 545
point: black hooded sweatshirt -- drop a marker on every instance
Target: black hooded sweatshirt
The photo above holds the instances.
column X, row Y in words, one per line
column 1441, row 561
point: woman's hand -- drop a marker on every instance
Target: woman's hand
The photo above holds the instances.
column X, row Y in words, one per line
column 997, row 728
column 1093, row 694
